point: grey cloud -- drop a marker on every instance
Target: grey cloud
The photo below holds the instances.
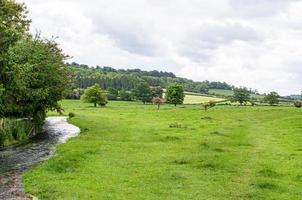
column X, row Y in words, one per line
column 129, row 37
column 201, row 43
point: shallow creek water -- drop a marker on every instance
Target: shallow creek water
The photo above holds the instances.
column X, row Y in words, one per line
column 17, row 159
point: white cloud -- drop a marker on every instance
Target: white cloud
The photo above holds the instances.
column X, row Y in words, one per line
column 253, row 43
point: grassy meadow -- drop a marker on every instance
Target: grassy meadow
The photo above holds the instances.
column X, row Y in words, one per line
column 230, row 93
column 128, row 150
column 197, row 99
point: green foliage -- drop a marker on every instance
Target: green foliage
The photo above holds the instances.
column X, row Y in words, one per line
column 298, row 104
column 241, row 95
column 175, row 94
column 40, row 80
column 157, row 91
column 75, row 93
column 125, row 95
column 95, row 95
column 71, row 115
column 13, row 25
column 143, row 92
column 128, row 79
column 112, row 93
column 14, row 130
column 272, row 98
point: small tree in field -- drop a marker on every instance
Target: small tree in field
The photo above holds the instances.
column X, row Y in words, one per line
column 298, row 104
column 209, row 104
column 175, row 94
column 272, row 98
column 95, row 95
column 158, row 101
column 241, row 95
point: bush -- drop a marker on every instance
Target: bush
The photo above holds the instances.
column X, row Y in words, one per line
column 298, row 104
column 209, row 104
column 71, row 114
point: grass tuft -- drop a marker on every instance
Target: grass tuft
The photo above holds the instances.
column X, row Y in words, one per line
column 182, row 161
column 268, row 173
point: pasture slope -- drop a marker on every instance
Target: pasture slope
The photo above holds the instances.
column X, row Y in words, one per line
column 198, row 98
column 131, row 151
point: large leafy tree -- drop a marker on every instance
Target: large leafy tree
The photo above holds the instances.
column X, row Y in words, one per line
column 143, row 92
column 95, row 95
column 241, row 95
column 272, row 98
column 13, row 25
column 39, row 80
column 175, row 94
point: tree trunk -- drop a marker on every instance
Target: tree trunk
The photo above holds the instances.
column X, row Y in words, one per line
column 94, row 104
column 158, row 107
column 175, row 105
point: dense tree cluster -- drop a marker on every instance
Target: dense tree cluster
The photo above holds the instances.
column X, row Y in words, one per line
column 121, row 79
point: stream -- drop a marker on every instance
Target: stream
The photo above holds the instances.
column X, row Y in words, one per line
column 17, row 159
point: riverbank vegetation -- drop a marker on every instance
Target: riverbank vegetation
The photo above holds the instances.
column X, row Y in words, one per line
column 128, row 150
column 33, row 76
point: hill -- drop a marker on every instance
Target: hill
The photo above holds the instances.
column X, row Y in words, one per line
column 127, row 79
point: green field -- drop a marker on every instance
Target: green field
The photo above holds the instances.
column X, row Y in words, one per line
column 230, row 93
column 197, row 98
column 221, row 92
column 191, row 98
column 132, row 151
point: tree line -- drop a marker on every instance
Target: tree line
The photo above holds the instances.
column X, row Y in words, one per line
column 143, row 92
column 121, row 79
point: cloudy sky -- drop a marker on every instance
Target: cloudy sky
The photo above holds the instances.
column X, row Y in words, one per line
column 253, row 43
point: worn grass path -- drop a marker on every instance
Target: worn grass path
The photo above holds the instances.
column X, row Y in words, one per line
column 132, row 151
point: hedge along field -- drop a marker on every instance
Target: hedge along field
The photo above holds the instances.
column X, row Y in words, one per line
column 131, row 151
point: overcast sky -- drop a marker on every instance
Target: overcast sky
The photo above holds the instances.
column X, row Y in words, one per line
column 253, row 43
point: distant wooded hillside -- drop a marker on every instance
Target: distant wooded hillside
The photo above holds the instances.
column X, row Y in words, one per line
column 108, row 77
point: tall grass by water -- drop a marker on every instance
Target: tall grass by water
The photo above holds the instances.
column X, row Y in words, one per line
column 13, row 131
